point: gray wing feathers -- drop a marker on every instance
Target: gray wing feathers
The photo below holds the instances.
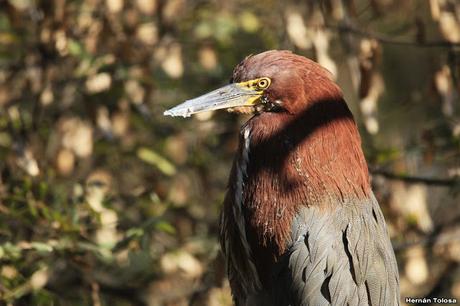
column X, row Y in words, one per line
column 342, row 259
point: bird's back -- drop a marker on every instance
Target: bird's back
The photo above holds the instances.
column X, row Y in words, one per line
column 344, row 258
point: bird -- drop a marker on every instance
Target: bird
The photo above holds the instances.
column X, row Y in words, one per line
column 300, row 224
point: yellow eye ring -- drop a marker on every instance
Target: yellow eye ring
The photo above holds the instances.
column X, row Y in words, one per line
column 263, row 83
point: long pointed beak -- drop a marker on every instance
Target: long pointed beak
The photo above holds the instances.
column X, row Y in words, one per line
column 233, row 95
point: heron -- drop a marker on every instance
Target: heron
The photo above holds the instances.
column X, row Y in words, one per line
column 300, row 224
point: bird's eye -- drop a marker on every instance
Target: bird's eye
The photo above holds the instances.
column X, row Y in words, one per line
column 263, row 83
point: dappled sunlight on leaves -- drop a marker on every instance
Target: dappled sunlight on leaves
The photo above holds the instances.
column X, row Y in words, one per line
column 104, row 201
column 297, row 30
column 416, row 267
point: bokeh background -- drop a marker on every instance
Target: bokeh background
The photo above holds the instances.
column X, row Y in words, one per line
column 103, row 201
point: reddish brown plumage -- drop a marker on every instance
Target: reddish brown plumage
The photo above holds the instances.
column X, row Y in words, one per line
column 300, row 224
column 312, row 150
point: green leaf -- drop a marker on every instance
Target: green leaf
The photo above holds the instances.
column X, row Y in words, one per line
column 156, row 160
column 165, row 227
column 134, row 232
column 42, row 247
column 75, row 48
column 11, row 251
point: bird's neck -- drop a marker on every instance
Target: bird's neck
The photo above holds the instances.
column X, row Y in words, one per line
column 313, row 158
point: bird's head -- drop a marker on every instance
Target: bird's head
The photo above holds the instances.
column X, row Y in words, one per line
column 304, row 136
column 272, row 81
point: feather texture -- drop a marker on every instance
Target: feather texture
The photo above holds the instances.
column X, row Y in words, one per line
column 343, row 258
column 339, row 258
column 300, row 224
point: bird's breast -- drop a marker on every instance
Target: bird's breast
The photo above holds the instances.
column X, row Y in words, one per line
column 255, row 217
column 284, row 164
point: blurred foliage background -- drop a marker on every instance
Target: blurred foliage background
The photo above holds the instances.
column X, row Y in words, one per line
column 103, row 201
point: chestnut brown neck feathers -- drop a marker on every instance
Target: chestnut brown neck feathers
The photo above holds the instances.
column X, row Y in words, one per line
column 307, row 154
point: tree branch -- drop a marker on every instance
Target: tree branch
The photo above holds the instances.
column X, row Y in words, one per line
column 441, row 235
column 384, row 39
column 446, row 182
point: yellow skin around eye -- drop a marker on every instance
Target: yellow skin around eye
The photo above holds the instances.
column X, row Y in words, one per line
column 253, row 100
column 263, row 83
column 255, row 84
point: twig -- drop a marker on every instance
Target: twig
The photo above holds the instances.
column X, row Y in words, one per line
column 446, row 182
column 439, row 239
column 441, row 235
column 384, row 39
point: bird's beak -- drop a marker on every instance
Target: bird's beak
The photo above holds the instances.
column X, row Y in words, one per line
column 230, row 96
